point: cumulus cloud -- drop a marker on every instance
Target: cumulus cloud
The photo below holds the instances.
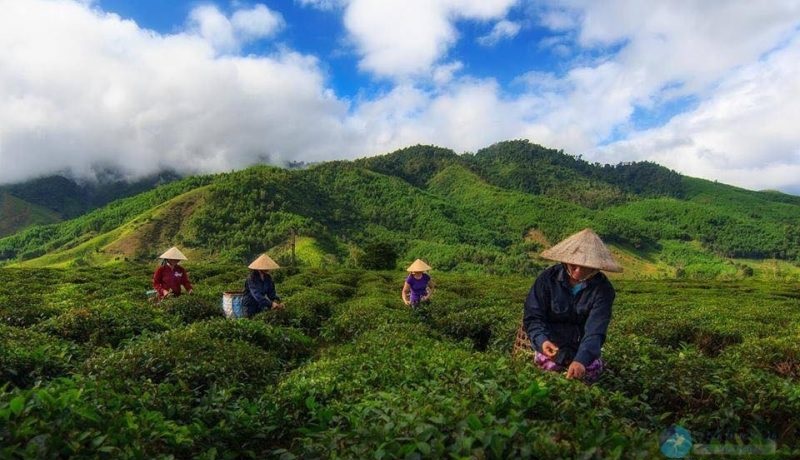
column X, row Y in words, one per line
column 83, row 90
column 256, row 22
column 227, row 35
column 638, row 55
column 503, row 30
column 743, row 133
column 445, row 73
column 468, row 115
column 401, row 38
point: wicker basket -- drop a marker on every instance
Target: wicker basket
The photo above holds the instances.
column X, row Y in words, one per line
column 232, row 304
column 522, row 344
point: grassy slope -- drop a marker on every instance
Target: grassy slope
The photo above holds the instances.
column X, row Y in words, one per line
column 39, row 240
column 144, row 236
column 16, row 214
column 447, row 211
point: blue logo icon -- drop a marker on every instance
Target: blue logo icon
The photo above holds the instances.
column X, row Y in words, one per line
column 676, row 442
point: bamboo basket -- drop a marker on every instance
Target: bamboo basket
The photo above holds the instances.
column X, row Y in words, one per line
column 522, row 344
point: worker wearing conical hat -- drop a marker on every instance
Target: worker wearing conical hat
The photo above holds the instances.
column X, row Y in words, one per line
column 170, row 276
column 418, row 287
column 568, row 309
column 259, row 288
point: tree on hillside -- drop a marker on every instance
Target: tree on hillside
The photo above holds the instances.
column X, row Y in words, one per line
column 378, row 255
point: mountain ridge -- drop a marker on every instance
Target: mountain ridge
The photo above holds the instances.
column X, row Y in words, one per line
column 466, row 212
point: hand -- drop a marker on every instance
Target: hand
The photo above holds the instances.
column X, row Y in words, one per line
column 277, row 306
column 549, row 349
column 576, row 370
column 406, row 301
column 190, row 291
column 166, row 293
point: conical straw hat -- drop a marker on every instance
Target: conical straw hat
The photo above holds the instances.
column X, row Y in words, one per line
column 584, row 248
column 418, row 266
column 264, row 262
column 173, row 253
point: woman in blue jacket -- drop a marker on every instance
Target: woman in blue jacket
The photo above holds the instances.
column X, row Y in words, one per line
column 259, row 288
column 568, row 308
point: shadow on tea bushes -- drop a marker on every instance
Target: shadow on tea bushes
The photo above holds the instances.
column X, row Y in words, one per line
column 287, row 343
column 720, row 398
column 24, row 310
column 27, row 357
column 779, row 356
column 188, row 358
column 306, row 310
column 191, row 308
column 107, row 324
column 364, row 314
column 485, row 326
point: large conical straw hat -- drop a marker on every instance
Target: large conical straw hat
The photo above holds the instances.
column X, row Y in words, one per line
column 173, row 253
column 264, row 262
column 584, row 248
column 418, row 266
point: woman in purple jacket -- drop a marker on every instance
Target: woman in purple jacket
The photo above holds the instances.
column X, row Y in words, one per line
column 417, row 287
column 568, row 308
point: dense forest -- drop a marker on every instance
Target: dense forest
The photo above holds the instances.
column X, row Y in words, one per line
column 51, row 199
column 493, row 211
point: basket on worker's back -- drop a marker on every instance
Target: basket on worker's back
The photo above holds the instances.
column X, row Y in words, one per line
column 232, row 304
column 522, row 344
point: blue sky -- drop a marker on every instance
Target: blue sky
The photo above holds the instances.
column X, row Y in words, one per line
column 706, row 88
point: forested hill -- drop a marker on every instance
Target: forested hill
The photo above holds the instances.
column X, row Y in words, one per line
column 52, row 199
column 491, row 211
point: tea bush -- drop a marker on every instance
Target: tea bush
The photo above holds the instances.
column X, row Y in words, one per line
column 76, row 418
column 107, row 324
column 287, row 343
column 347, row 371
column 27, row 357
column 432, row 399
column 307, row 310
column 364, row 314
column 191, row 308
column 189, row 358
column 25, row 311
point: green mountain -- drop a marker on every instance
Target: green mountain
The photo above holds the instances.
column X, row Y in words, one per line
column 16, row 214
column 491, row 211
column 52, row 199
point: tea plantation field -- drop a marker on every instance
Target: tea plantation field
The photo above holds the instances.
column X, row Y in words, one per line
column 90, row 369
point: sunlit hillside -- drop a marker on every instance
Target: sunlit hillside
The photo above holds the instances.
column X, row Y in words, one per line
column 469, row 213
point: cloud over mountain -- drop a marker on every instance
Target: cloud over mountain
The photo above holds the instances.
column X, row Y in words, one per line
column 707, row 88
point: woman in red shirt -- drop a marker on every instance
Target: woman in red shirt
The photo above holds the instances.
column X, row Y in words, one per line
column 169, row 276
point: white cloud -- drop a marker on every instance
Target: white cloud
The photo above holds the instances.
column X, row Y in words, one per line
column 83, row 90
column 325, row 5
column 647, row 53
column 744, row 133
column 257, row 22
column 468, row 115
column 503, row 30
column 401, row 38
column 227, row 35
column 444, row 73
